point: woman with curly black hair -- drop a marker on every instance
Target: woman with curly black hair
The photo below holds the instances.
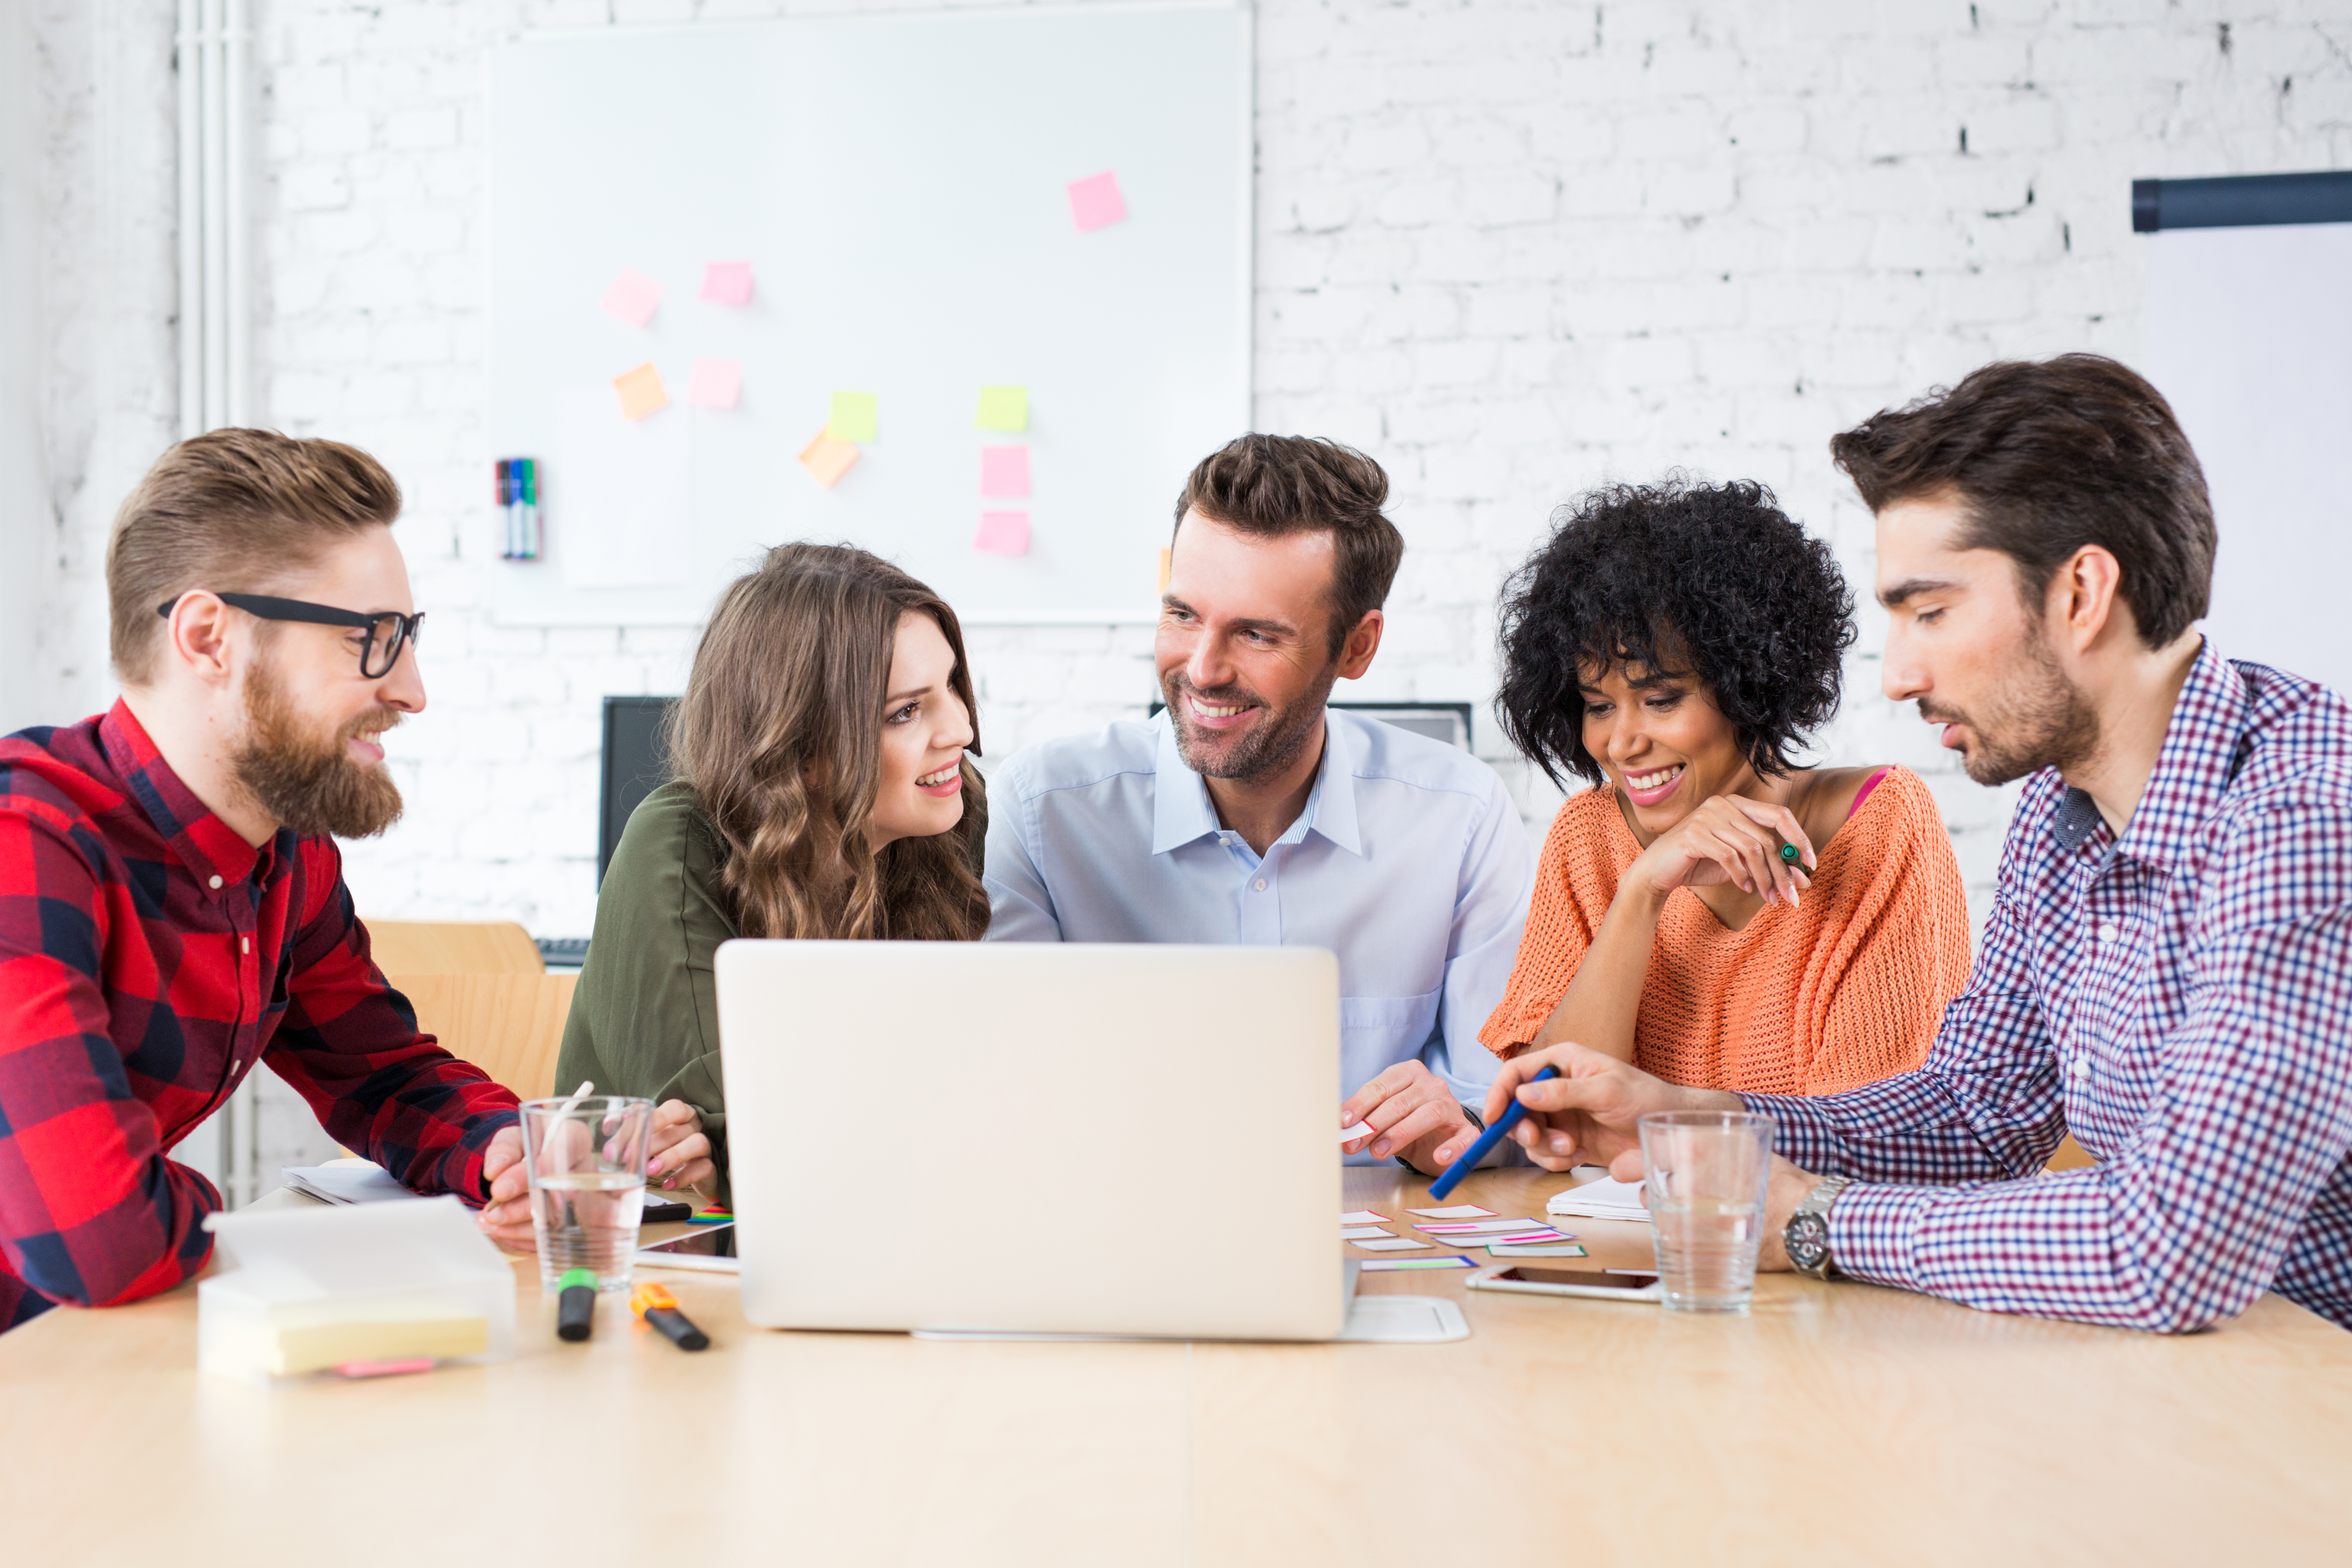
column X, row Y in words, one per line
column 1711, row 910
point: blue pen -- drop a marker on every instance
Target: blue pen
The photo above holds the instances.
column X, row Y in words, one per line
column 1485, row 1144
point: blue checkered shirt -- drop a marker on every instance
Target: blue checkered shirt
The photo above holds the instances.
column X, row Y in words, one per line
column 2180, row 998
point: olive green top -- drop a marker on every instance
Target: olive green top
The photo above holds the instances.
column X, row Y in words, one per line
column 644, row 1019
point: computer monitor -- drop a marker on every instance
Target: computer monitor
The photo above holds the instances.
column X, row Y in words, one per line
column 636, row 763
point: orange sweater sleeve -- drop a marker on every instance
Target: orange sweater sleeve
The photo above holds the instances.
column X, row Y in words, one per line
column 1873, row 1001
column 1574, row 882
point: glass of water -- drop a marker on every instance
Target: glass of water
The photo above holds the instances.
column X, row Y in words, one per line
column 586, row 1158
column 1705, row 1171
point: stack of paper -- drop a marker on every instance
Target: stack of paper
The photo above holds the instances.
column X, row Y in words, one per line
column 1604, row 1199
column 341, row 1184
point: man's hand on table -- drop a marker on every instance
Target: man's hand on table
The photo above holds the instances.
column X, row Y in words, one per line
column 1590, row 1115
column 506, row 1215
column 1414, row 1113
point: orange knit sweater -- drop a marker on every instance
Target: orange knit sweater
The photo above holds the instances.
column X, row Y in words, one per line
column 1846, row 989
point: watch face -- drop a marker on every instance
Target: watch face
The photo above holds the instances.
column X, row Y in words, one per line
column 1807, row 1240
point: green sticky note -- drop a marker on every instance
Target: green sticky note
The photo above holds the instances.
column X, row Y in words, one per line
column 853, row 416
column 1003, row 409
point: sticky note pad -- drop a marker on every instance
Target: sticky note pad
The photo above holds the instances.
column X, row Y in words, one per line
column 727, row 282
column 641, row 391
column 1361, row 1232
column 1004, row 471
column 1003, row 533
column 632, row 297
column 717, row 383
column 853, row 416
column 1363, row 1217
column 1392, row 1244
column 828, row 459
column 1003, row 409
column 1459, row 1211
column 1360, row 1129
column 1094, row 201
column 1382, row 1265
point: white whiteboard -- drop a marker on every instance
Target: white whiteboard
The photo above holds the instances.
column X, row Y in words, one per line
column 899, row 184
column 2250, row 340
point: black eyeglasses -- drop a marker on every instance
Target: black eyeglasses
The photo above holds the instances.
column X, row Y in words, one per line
column 387, row 629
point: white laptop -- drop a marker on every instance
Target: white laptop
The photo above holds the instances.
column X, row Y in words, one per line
column 1045, row 1138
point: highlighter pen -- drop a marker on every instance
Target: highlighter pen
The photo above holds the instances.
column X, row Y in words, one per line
column 1485, row 1144
column 656, row 1306
column 1788, row 852
column 575, row 1310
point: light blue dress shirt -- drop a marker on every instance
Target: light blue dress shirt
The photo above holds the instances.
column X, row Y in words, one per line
column 1408, row 862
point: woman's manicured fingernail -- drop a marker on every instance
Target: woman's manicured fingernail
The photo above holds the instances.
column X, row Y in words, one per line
column 654, row 1169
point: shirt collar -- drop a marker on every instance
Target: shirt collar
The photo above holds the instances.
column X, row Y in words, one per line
column 202, row 841
column 2193, row 767
column 1182, row 812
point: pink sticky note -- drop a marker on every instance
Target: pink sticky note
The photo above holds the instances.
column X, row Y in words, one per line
column 1004, row 471
column 727, row 282
column 1003, row 533
column 716, row 383
column 1094, row 201
column 632, row 297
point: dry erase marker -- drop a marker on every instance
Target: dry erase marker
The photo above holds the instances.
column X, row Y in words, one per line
column 530, row 540
column 1788, row 852
column 656, row 1306
column 1485, row 1144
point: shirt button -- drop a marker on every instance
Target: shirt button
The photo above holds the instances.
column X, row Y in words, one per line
column 1261, row 884
column 245, row 944
column 2082, row 1068
column 2111, row 933
column 216, row 882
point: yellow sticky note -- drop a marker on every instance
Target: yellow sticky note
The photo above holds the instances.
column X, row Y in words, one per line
column 853, row 416
column 1003, row 409
column 826, row 459
column 641, row 391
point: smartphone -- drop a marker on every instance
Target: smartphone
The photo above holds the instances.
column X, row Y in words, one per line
column 711, row 1247
column 1602, row 1284
column 661, row 1208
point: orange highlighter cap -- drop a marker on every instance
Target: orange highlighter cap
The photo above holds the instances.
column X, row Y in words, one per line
column 649, row 1297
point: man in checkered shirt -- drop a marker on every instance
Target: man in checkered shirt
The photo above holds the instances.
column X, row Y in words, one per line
column 2167, row 969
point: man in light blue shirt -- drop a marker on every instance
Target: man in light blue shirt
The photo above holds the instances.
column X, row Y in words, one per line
column 1248, row 812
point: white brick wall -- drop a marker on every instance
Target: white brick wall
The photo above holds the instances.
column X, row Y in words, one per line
column 1511, row 249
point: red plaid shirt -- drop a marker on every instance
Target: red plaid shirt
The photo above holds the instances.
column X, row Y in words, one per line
column 149, row 957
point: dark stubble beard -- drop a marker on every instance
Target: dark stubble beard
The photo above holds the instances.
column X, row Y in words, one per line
column 2044, row 721
column 308, row 783
column 1272, row 745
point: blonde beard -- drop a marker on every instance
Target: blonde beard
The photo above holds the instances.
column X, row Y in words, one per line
column 312, row 789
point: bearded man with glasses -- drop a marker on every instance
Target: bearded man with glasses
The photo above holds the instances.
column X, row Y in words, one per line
column 172, row 909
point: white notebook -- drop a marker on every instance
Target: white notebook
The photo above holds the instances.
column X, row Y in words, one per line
column 1601, row 1199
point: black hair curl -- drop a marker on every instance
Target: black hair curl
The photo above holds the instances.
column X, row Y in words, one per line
column 1655, row 574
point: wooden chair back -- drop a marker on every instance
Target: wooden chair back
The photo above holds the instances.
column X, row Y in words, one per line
column 453, row 947
column 510, row 1026
column 2071, row 1156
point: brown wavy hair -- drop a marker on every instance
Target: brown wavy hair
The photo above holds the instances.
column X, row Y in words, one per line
column 780, row 737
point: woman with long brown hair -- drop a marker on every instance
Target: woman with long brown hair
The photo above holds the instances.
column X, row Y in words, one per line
column 820, row 792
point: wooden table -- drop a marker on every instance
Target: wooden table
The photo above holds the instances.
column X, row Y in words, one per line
column 1835, row 1424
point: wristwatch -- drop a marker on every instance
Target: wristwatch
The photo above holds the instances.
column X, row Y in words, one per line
column 1807, row 1237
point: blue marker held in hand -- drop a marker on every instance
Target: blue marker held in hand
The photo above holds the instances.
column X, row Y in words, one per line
column 1485, row 1144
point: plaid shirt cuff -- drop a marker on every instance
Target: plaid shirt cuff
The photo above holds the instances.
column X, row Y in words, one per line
column 1802, row 1130
column 1872, row 1226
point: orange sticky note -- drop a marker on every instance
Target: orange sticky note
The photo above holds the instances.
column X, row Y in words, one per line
column 716, row 383
column 826, row 459
column 1003, row 533
column 641, row 391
